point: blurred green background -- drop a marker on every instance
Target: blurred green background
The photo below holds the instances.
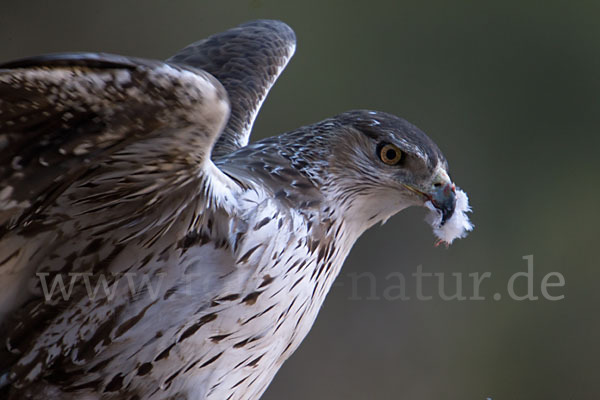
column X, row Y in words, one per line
column 509, row 90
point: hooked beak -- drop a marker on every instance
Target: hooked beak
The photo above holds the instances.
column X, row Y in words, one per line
column 441, row 193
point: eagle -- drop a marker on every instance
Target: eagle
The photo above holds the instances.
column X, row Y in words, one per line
column 147, row 251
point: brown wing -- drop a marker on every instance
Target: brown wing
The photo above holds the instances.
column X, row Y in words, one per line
column 60, row 114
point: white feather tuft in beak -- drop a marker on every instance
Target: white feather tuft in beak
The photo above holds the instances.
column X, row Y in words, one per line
column 456, row 226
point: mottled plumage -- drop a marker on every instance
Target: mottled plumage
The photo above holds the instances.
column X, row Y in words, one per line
column 193, row 263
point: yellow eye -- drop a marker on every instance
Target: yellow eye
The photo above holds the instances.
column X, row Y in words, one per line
column 390, row 154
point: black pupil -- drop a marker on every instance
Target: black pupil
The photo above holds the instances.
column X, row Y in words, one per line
column 390, row 154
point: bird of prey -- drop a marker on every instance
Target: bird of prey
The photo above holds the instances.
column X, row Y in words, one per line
column 147, row 251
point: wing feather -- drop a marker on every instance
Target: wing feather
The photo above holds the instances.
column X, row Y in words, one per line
column 60, row 115
column 247, row 60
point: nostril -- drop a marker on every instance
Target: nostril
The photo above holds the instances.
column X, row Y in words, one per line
column 437, row 185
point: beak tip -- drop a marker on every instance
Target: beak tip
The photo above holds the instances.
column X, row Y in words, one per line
column 444, row 199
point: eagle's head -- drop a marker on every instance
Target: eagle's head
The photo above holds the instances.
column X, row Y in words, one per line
column 380, row 164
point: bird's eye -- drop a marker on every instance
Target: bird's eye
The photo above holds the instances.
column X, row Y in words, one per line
column 390, row 154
